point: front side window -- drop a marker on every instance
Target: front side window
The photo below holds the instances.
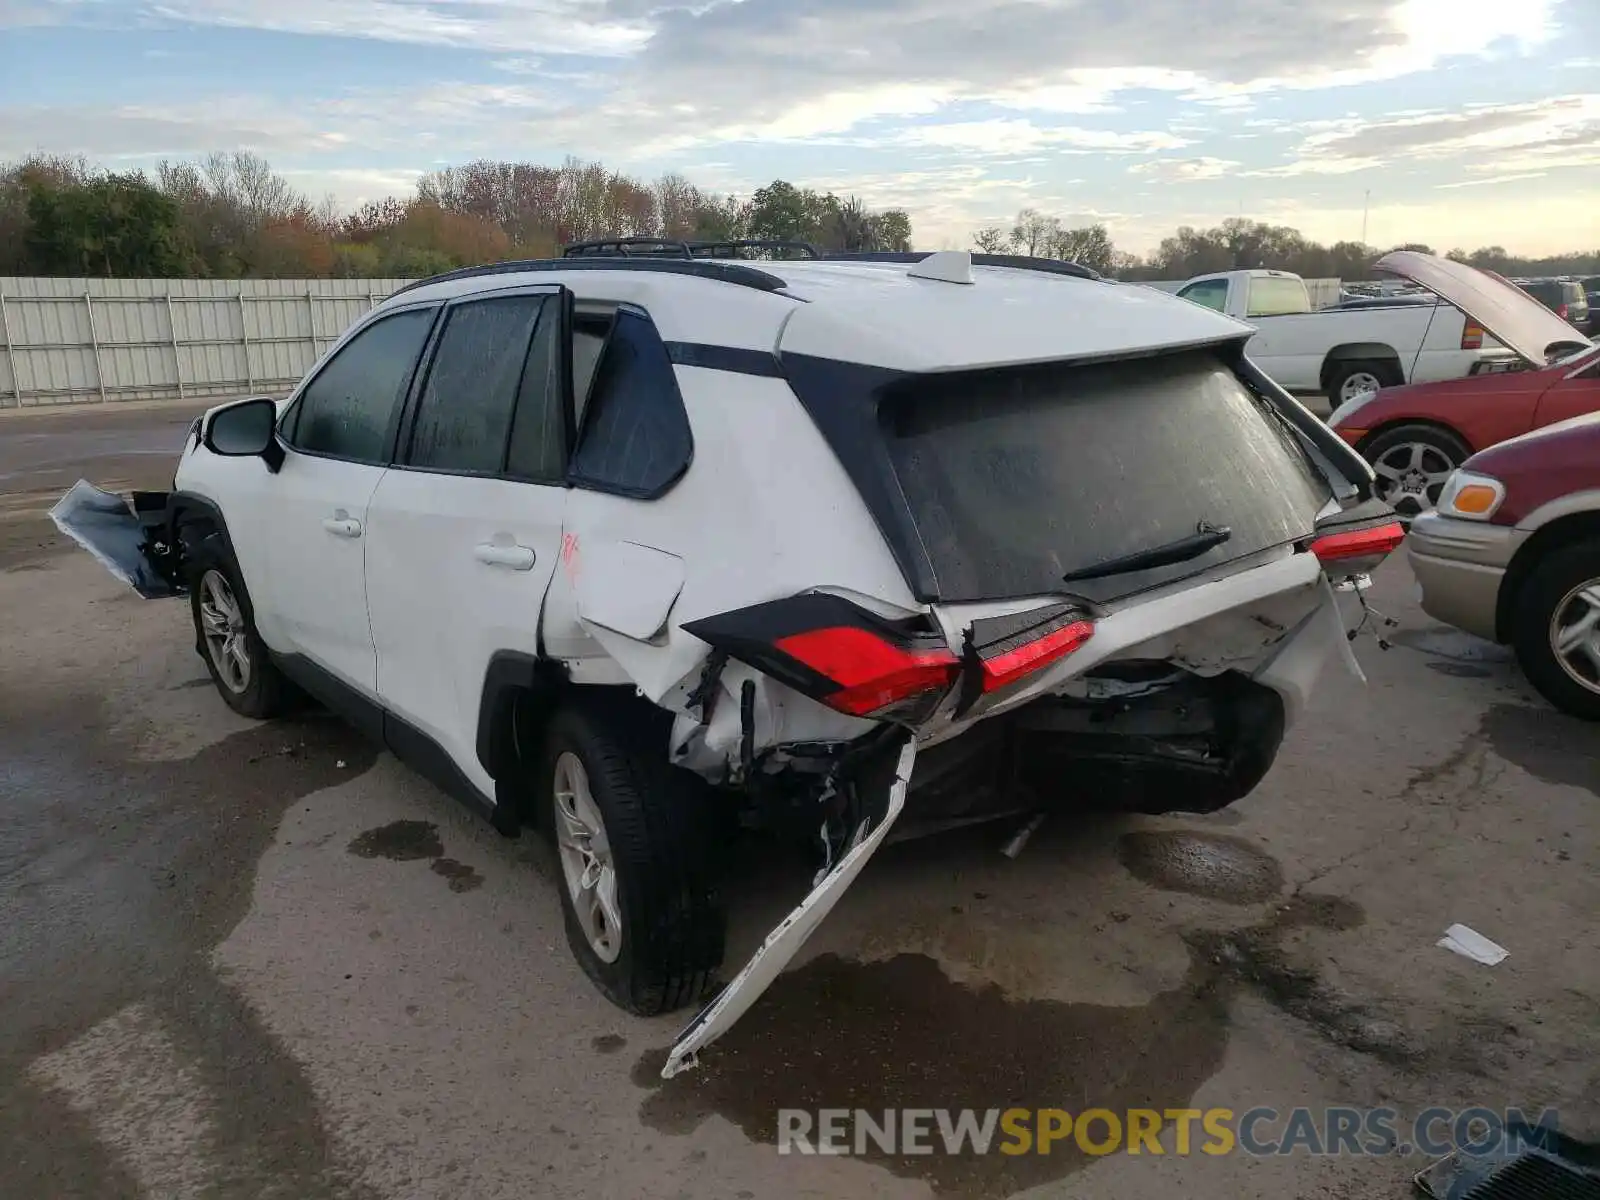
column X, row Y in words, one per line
column 464, row 412
column 636, row 439
column 1212, row 293
column 350, row 407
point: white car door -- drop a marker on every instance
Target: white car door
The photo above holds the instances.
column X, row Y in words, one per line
column 464, row 531
column 339, row 433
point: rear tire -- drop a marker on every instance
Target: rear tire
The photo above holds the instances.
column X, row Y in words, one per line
column 225, row 635
column 1550, row 601
column 1412, row 462
column 651, row 863
column 1347, row 379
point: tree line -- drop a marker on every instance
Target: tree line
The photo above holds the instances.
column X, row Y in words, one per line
column 1239, row 243
column 229, row 215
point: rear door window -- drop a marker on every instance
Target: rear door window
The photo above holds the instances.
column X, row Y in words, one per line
column 351, row 407
column 635, row 438
column 463, row 421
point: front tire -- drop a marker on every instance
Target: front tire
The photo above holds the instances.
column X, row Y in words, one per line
column 636, row 838
column 1556, row 629
column 1412, row 463
column 225, row 635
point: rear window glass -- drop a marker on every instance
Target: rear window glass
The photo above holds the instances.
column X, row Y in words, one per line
column 1271, row 297
column 1017, row 477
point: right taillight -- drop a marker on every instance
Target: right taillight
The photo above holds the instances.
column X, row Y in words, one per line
column 1472, row 336
column 1561, row 311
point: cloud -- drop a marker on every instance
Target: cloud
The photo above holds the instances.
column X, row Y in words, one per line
column 1177, row 170
column 1560, row 131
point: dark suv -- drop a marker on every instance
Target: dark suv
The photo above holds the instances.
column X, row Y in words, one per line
column 1564, row 297
column 1591, row 291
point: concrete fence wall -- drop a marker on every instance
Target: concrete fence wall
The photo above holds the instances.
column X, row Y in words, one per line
column 76, row 341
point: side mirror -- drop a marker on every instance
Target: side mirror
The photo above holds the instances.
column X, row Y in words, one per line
column 248, row 429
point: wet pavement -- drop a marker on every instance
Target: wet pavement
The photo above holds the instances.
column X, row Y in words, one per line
column 264, row 960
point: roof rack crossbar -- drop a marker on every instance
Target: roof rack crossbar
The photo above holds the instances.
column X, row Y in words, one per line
column 1018, row 262
column 722, row 272
column 628, row 247
column 652, row 247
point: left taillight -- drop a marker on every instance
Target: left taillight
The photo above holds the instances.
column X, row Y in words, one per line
column 838, row 653
column 1356, row 551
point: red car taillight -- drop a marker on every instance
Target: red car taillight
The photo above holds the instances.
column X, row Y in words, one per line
column 1358, row 550
column 838, row 653
column 856, row 662
column 1471, row 336
column 1561, row 311
column 875, row 675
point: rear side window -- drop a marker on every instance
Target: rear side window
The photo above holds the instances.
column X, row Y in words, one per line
column 1546, row 294
column 463, row 418
column 635, row 439
column 1213, row 293
column 350, row 408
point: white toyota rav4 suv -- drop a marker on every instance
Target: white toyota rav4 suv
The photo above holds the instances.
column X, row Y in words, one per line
column 639, row 543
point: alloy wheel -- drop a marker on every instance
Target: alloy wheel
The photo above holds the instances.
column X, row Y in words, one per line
column 586, row 861
column 1411, row 475
column 222, row 624
column 1359, row 384
column 1575, row 634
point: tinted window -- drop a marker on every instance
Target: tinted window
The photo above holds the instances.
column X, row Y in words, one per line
column 635, row 433
column 464, row 413
column 539, row 428
column 1271, row 297
column 348, row 410
column 1019, row 476
column 1213, row 293
column 1545, row 293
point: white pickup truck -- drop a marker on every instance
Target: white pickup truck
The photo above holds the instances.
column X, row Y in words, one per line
column 1348, row 349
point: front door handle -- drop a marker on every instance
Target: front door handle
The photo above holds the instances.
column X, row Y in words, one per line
column 517, row 558
column 342, row 524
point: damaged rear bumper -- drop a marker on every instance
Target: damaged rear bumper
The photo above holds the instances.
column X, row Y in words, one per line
column 883, row 792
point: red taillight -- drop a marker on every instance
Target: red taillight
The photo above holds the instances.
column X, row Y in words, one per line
column 1471, row 336
column 1005, row 669
column 1561, row 311
column 1359, row 549
column 873, row 673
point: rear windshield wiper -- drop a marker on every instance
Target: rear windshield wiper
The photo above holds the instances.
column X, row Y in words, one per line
column 1205, row 537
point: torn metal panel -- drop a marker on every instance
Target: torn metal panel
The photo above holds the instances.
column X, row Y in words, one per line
column 105, row 525
column 885, row 801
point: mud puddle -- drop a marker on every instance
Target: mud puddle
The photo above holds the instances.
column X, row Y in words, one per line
column 1213, row 865
column 900, row 1034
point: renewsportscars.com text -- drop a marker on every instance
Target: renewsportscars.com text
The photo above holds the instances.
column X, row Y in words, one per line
column 1257, row 1131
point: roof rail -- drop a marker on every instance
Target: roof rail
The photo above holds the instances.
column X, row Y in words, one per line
column 651, row 247
column 1019, row 262
column 722, row 272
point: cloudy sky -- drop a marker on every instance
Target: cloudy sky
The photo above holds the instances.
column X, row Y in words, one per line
column 1468, row 121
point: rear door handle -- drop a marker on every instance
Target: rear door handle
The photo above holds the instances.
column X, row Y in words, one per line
column 342, row 524
column 517, row 558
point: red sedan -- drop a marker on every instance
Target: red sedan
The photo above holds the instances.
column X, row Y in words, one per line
column 1415, row 435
